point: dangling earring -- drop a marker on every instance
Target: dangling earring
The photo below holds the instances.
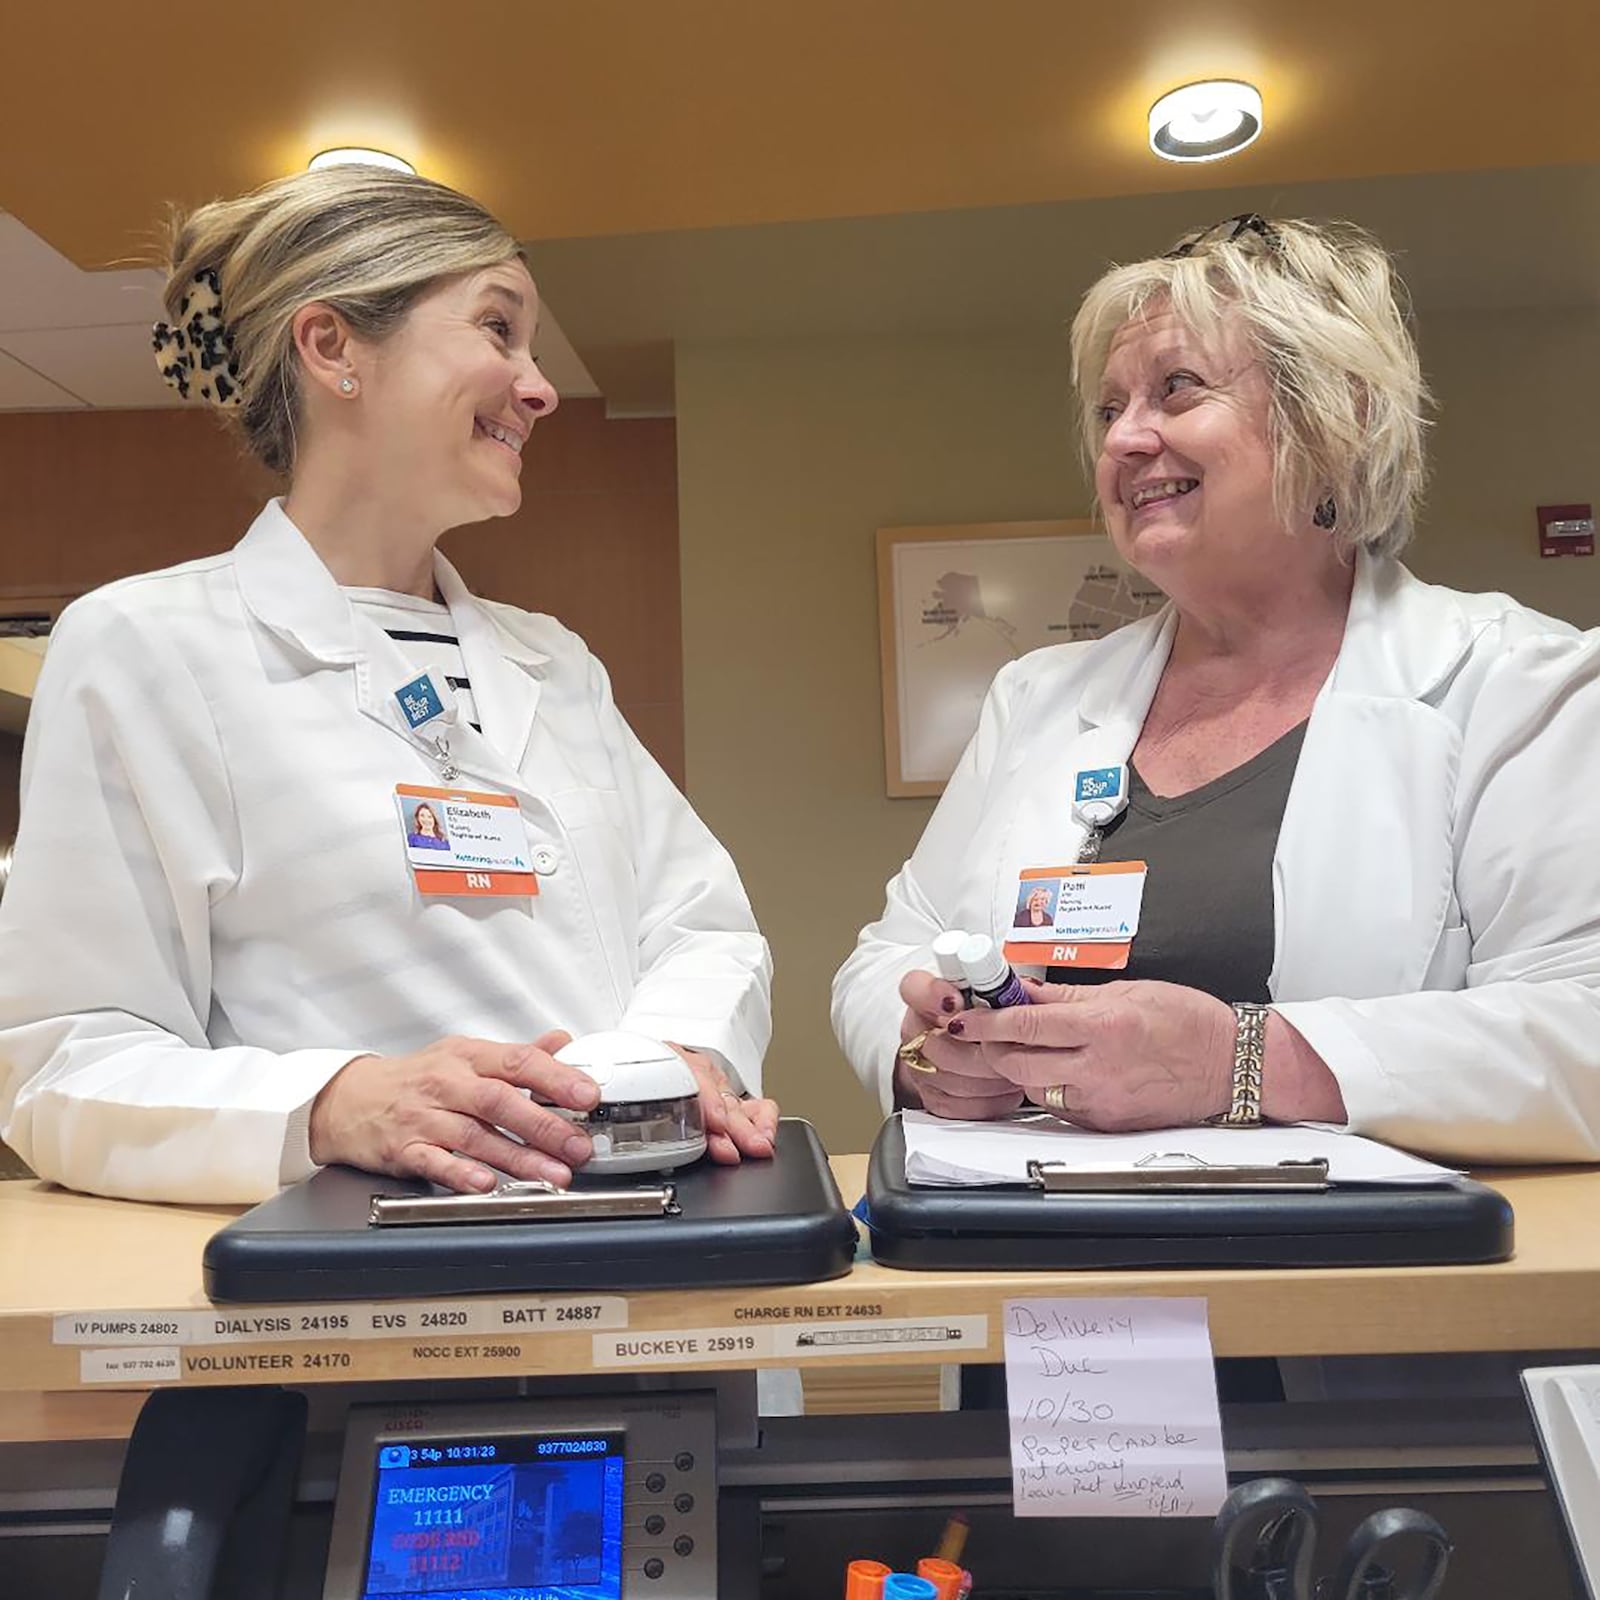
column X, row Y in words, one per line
column 347, row 386
column 1327, row 513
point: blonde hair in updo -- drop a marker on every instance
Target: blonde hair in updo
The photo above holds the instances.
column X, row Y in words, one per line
column 366, row 242
column 1325, row 312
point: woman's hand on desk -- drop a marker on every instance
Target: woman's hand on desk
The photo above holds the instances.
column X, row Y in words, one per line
column 965, row 1086
column 1144, row 1055
column 735, row 1127
column 454, row 1110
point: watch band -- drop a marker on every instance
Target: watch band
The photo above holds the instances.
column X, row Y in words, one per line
column 1249, row 1053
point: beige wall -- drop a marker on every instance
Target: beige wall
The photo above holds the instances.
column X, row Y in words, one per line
column 790, row 456
column 1518, row 427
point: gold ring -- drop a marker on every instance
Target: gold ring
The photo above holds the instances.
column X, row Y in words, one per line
column 911, row 1052
column 1054, row 1098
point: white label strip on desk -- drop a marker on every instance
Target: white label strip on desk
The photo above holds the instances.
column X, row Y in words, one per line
column 150, row 1364
column 890, row 1336
column 395, row 1319
column 679, row 1347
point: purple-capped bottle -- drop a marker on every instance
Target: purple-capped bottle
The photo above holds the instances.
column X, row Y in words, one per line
column 990, row 974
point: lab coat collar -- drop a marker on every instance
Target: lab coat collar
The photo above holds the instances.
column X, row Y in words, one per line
column 1120, row 692
column 1402, row 638
column 288, row 589
column 503, row 668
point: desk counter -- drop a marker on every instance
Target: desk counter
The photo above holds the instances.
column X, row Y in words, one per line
column 73, row 1268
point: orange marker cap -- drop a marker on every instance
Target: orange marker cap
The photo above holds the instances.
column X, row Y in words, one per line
column 863, row 1580
column 945, row 1576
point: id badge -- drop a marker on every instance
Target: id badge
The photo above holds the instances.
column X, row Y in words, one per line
column 1078, row 916
column 463, row 843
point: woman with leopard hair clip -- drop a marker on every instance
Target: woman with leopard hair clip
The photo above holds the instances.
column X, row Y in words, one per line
column 223, row 967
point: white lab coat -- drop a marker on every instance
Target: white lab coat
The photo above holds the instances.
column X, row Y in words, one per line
column 1436, row 885
column 210, row 910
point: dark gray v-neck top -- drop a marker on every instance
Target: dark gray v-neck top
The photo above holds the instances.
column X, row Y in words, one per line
column 1207, row 919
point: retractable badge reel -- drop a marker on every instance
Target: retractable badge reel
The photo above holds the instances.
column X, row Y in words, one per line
column 430, row 713
column 1099, row 796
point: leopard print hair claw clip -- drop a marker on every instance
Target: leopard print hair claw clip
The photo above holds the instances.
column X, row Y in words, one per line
column 196, row 353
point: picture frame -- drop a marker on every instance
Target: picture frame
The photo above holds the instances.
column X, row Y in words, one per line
column 977, row 595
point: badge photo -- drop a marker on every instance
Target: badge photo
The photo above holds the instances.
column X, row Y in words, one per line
column 460, row 842
column 1085, row 915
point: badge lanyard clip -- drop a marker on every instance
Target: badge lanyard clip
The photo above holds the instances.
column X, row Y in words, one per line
column 448, row 770
column 422, row 702
column 1099, row 796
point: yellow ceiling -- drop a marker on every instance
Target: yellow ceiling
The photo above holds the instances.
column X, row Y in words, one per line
column 575, row 118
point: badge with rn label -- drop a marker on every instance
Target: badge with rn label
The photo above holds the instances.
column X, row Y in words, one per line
column 462, row 843
column 1078, row 916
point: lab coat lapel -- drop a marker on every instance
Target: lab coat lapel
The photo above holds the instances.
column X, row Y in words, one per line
column 1363, row 874
column 1047, row 747
column 289, row 591
column 503, row 670
column 1117, row 700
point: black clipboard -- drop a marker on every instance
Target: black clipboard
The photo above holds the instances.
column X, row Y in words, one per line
column 1027, row 1228
column 763, row 1222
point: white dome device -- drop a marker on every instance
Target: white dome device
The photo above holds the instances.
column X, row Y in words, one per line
column 649, row 1117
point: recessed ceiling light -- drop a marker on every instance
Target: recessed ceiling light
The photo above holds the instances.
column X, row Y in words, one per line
column 1205, row 121
column 355, row 156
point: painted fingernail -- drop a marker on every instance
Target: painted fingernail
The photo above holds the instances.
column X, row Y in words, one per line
column 957, row 1028
column 949, row 1004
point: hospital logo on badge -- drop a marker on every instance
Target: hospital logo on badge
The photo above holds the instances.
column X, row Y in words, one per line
column 1098, row 783
column 419, row 701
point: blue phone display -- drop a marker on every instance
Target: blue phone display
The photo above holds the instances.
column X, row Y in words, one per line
column 498, row 1518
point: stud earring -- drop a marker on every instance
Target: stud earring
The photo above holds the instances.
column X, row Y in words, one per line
column 347, row 386
column 1326, row 514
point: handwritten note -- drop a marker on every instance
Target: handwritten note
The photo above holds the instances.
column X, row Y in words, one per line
column 1585, row 1389
column 1113, row 1409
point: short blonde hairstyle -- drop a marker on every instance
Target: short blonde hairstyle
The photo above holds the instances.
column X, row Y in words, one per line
column 1328, row 318
column 364, row 241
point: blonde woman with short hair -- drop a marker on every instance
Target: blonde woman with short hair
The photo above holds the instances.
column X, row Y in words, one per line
column 224, row 967
column 1365, row 803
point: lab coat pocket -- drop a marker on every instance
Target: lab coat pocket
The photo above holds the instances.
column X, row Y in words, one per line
column 1447, row 967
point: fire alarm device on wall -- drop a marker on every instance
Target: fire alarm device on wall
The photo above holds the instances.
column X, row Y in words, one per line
column 1566, row 530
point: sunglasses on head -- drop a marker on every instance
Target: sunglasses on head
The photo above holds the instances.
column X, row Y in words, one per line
column 1229, row 231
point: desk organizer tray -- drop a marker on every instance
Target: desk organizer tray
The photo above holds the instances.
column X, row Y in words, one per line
column 1016, row 1228
column 763, row 1222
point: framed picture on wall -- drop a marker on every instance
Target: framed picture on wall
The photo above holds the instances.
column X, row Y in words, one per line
column 955, row 603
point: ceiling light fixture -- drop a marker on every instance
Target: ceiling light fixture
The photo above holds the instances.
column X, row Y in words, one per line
column 1205, row 121
column 355, row 156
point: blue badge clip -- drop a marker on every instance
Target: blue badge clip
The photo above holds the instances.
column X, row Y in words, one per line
column 420, row 701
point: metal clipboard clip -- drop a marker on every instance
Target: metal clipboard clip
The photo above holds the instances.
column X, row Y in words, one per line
column 533, row 1201
column 1178, row 1172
